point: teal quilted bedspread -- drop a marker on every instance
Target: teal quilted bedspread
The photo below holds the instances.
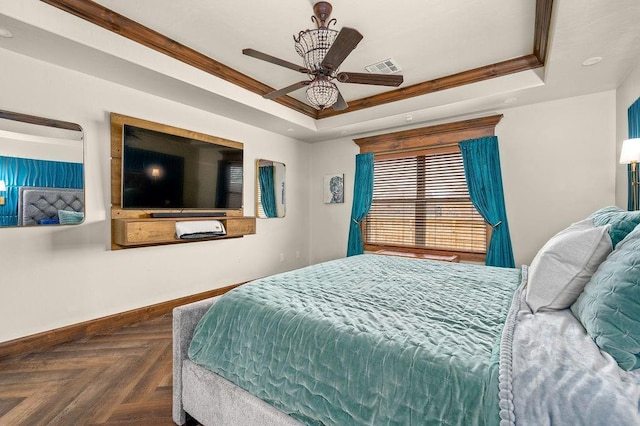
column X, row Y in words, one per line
column 366, row 340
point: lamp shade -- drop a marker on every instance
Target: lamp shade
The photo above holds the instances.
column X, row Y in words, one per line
column 630, row 151
column 3, row 186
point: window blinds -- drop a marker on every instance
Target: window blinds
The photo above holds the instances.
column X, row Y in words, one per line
column 422, row 201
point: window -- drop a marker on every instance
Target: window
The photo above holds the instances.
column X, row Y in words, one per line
column 229, row 191
column 421, row 202
column 420, row 196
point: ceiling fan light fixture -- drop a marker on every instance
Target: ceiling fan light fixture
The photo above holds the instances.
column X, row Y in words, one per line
column 313, row 45
column 323, row 50
column 322, row 93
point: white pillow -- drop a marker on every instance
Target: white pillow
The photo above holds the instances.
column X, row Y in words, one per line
column 565, row 264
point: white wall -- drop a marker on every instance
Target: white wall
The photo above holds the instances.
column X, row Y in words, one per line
column 627, row 94
column 22, row 145
column 53, row 277
column 557, row 165
column 330, row 222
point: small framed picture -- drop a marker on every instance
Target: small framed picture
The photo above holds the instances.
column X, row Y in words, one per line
column 334, row 189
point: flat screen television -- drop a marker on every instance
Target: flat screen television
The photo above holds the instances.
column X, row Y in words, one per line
column 166, row 171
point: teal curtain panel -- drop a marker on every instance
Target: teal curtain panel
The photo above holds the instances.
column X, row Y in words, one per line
column 481, row 159
column 362, row 198
column 633, row 114
column 267, row 190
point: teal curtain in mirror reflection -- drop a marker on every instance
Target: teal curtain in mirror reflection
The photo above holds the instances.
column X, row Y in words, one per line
column 362, row 198
column 633, row 114
column 17, row 172
column 481, row 160
column 267, row 190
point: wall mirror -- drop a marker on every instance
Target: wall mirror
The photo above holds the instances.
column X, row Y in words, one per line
column 41, row 171
column 270, row 189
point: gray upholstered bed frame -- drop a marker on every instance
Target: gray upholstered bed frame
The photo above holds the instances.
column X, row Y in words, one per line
column 36, row 203
column 204, row 395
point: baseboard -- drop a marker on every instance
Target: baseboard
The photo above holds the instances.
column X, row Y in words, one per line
column 49, row 338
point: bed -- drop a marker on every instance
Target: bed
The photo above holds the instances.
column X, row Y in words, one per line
column 42, row 205
column 387, row 340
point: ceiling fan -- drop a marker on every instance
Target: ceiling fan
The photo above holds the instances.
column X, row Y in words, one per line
column 323, row 50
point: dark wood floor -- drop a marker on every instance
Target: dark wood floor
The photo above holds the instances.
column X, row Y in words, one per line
column 119, row 378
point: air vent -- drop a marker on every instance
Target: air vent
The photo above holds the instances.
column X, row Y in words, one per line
column 388, row 66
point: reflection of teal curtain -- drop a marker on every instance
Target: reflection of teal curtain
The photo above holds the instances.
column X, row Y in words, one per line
column 362, row 197
column 17, row 172
column 481, row 161
column 633, row 114
column 267, row 190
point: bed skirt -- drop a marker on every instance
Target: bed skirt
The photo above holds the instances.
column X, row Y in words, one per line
column 214, row 400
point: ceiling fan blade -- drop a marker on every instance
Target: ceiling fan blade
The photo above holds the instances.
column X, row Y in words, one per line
column 284, row 91
column 272, row 59
column 366, row 78
column 340, row 103
column 347, row 40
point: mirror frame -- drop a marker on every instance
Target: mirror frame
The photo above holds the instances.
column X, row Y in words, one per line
column 37, row 136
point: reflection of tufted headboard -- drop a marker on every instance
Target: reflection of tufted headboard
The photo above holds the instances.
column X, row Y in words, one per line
column 38, row 203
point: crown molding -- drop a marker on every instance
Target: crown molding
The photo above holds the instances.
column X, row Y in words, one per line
column 119, row 24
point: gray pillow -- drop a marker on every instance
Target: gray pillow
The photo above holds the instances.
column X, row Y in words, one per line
column 565, row 264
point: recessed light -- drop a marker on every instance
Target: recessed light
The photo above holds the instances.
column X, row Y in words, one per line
column 408, row 118
column 290, row 129
column 5, row 33
column 510, row 100
column 592, row 61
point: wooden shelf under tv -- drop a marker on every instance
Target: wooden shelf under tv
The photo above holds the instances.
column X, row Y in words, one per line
column 131, row 232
